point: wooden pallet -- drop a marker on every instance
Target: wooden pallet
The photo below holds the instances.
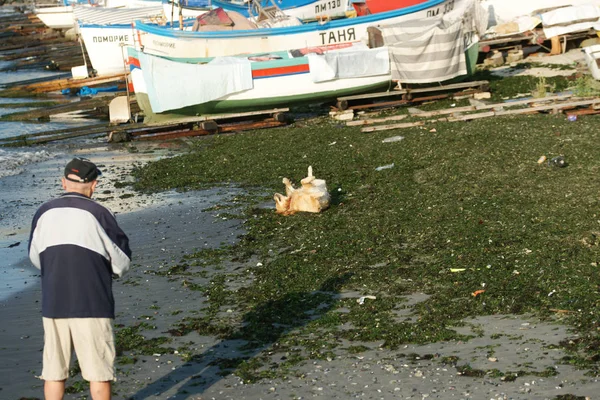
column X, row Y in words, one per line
column 408, row 95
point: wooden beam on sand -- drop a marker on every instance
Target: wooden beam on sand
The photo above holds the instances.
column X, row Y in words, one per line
column 206, row 117
column 374, row 121
column 46, row 112
column 393, row 126
column 202, row 132
column 69, row 83
column 49, row 136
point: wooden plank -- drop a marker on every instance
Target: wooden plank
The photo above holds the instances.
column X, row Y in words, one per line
column 393, row 126
column 551, row 107
column 428, row 114
column 472, row 116
column 66, row 84
column 429, row 98
column 62, row 137
column 42, row 112
column 373, row 95
column 586, row 111
column 97, row 128
column 388, row 93
column 219, row 116
column 376, row 120
column 526, row 101
column 449, row 87
column 382, row 104
column 250, row 125
column 202, row 132
column 173, row 135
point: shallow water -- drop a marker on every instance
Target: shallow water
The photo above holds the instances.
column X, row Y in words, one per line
column 27, row 178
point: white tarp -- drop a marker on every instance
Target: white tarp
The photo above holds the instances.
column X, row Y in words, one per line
column 349, row 64
column 502, row 11
column 520, row 24
column 570, row 19
column 426, row 53
column 172, row 85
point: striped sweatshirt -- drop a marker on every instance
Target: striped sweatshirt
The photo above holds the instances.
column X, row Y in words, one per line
column 78, row 246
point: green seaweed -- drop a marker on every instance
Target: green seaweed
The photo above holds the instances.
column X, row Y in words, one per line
column 467, row 196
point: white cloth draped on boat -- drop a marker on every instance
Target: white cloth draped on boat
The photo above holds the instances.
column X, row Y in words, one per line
column 570, row 19
column 348, row 64
column 172, row 85
column 425, row 53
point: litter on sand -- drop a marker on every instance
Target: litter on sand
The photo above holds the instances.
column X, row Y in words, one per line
column 558, row 162
column 392, row 139
column 384, row 167
column 362, row 299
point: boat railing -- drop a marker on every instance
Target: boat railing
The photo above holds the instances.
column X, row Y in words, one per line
column 261, row 10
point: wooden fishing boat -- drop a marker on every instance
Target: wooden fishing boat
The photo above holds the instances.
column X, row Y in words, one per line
column 107, row 31
column 60, row 15
column 228, row 41
column 254, row 82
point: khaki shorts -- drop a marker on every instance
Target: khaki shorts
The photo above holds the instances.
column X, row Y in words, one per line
column 94, row 344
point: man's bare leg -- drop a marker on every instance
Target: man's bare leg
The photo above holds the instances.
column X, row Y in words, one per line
column 100, row 390
column 54, row 390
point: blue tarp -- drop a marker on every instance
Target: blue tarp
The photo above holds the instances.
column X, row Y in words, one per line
column 87, row 91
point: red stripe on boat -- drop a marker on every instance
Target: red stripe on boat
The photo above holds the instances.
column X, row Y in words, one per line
column 268, row 72
column 133, row 62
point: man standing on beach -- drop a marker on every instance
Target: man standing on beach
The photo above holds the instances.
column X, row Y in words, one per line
column 78, row 246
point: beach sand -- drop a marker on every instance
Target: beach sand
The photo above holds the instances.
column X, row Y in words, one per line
column 165, row 227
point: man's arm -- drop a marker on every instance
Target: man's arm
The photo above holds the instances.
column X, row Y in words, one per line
column 116, row 243
column 34, row 254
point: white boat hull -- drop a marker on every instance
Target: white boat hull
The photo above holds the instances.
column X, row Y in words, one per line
column 56, row 17
column 106, row 47
column 280, row 84
column 186, row 44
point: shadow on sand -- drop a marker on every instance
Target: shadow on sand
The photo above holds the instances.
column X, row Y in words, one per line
column 260, row 328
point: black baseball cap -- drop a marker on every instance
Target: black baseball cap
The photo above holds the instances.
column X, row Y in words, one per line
column 83, row 168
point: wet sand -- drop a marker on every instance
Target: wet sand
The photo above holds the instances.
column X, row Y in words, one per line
column 163, row 228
